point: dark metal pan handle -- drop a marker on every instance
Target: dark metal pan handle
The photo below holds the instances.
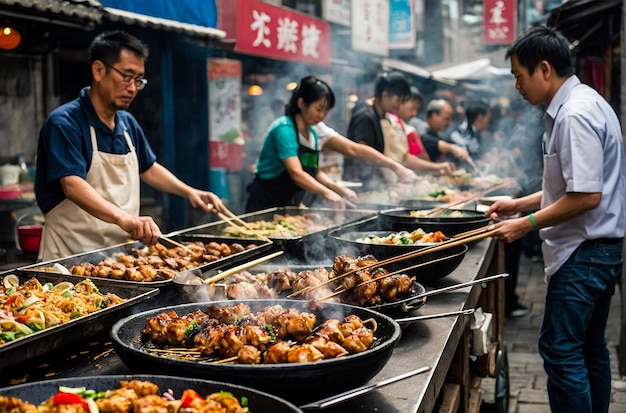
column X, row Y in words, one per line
column 463, row 285
column 359, row 391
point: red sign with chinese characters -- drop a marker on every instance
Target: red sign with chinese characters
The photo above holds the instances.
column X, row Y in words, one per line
column 278, row 33
column 499, row 18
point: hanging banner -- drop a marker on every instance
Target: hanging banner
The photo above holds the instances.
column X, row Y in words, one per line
column 336, row 11
column 401, row 24
column 226, row 142
column 278, row 33
column 370, row 26
column 499, row 19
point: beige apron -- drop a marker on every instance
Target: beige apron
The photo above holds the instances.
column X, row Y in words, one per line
column 396, row 147
column 70, row 230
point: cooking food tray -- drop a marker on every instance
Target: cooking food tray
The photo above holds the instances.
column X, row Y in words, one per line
column 61, row 335
column 283, row 380
column 99, row 255
column 311, row 244
column 393, row 308
column 39, row 392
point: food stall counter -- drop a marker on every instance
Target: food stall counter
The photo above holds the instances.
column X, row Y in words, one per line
column 430, row 343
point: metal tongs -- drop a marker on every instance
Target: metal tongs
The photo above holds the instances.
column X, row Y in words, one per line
column 359, row 391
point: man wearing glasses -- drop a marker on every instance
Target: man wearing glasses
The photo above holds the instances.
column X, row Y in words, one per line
column 92, row 154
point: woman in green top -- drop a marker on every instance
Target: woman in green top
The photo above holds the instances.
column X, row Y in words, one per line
column 288, row 163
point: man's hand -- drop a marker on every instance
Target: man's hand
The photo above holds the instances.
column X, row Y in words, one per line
column 141, row 228
column 205, row 200
column 404, row 174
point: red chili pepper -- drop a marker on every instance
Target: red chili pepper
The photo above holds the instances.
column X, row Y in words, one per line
column 69, row 398
column 10, row 300
column 188, row 397
column 22, row 319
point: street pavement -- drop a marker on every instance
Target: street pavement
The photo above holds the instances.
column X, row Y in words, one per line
column 527, row 377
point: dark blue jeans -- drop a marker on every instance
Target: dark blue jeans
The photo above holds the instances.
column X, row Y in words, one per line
column 572, row 339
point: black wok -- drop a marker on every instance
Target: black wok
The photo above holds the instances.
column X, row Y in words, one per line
column 296, row 382
column 440, row 263
column 258, row 402
column 193, row 292
column 401, row 220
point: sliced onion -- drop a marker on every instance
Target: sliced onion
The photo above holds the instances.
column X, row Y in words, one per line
column 30, row 301
column 63, row 286
column 52, row 319
column 11, row 281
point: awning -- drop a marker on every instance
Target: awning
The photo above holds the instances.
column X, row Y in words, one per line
column 414, row 70
column 84, row 14
column 158, row 23
column 594, row 23
column 474, row 70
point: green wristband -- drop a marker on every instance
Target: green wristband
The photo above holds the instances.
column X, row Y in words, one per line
column 532, row 220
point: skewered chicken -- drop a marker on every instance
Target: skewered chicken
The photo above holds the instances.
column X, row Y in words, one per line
column 272, row 335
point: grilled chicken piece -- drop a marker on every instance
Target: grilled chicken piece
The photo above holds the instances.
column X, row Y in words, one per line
column 249, row 355
column 329, row 348
column 16, row 405
column 304, row 353
column 156, row 327
column 229, row 314
column 359, row 340
column 281, row 280
column 278, row 352
column 246, row 290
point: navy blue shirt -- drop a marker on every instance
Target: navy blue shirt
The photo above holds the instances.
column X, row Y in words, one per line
column 65, row 146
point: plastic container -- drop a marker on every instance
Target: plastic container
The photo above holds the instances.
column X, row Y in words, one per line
column 9, row 174
column 218, row 182
column 28, row 230
column 29, row 237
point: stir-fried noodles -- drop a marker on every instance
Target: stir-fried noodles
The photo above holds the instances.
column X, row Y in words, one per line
column 32, row 306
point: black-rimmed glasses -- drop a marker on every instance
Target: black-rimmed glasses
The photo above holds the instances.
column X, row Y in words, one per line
column 126, row 79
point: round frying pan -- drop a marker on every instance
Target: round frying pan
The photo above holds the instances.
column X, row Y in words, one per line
column 258, row 401
column 284, row 380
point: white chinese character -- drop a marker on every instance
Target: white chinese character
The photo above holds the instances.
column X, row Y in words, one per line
column 287, row 33
column 496, row 14
column 498, row 33
column 222, row 151
column 262, row 31
column 310, row 40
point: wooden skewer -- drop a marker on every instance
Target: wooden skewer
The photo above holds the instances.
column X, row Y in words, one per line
column 227, row 360
column 473, row 236
column 178, row 244
column 177, row 350
column 240, row 223
column 239, row 268
column 473, row 232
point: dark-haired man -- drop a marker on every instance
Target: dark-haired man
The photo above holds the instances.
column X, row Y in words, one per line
column 580, row 214
column 92, row 154
column 370, row 126
column 438, row 119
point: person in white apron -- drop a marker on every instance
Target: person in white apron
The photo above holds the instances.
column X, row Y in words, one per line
column 366, row 126
column 69, row 228
column 92, row 154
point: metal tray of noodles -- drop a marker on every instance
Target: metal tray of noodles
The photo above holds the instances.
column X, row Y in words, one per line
column 257, row 402
column 310, row 242
column 61, row 335
column 284, row 380
column 97, row 256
